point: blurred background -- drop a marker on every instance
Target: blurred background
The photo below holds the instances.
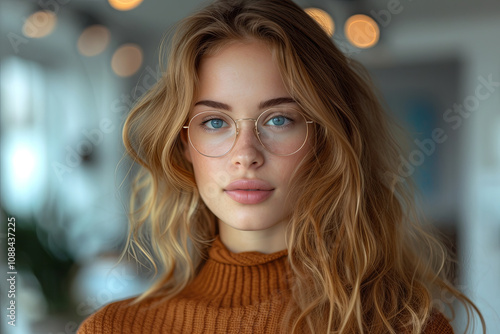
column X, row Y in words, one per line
column 71, row 69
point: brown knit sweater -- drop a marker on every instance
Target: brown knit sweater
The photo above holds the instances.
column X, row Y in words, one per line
column 233, row 293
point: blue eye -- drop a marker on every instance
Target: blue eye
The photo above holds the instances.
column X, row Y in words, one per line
column 214, row 123
column 278, row 120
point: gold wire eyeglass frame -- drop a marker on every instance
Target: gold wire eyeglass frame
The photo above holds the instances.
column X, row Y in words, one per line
column 256, row 132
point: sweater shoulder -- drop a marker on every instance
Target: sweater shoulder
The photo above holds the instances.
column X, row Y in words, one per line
column 438, row 324
column 115, row 317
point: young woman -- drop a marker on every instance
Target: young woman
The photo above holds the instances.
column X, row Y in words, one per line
column 269, row 196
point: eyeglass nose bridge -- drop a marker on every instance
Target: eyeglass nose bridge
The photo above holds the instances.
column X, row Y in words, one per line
column 255, row 129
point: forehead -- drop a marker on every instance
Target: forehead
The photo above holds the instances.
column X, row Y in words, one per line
column 240, row 74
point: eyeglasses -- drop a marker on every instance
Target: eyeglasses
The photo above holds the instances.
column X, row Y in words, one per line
column 282, row 131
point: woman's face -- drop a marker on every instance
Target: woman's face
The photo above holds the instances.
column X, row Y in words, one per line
column 241, row 77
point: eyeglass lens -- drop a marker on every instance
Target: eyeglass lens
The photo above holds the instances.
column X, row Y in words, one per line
column 282, row 131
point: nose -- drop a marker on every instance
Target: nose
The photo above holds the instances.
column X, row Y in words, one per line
column 247, row 150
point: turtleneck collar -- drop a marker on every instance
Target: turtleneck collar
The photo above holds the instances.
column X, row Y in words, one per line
column 241, row 279
column 219, row 253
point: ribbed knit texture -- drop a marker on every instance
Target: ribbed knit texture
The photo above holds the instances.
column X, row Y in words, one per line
column 233, row 293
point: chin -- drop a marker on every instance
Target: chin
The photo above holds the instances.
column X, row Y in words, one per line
column 253, row 224
column 244, row 226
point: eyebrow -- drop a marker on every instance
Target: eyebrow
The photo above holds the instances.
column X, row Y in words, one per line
column 263, row 105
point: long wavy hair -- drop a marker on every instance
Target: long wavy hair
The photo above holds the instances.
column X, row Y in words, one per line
column 360, row 258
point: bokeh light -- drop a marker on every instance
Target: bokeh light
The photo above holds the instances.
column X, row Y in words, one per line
column 93, row 40
column 362, row 31
column 127, row 60
column 323, row 19
column 124, row 4
column 39, row 24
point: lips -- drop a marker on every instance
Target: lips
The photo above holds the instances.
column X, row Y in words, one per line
column 251, row 191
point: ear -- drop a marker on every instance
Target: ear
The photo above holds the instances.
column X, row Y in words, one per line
column 185, row 145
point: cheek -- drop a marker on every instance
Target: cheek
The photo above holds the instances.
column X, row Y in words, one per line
column 288, row 166
column 207, row 174
column 279, row 171
column 201, row 170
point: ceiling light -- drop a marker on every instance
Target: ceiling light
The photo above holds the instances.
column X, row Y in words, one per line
column 127, row 60
column 93, row 40
column 124, row 4
column 362, row 31
column 39, row 24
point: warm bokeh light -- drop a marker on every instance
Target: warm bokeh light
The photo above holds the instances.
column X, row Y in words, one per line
column 124, row 4
column 362, row 31
column 93, row 40
column 39, row 24
column 323, row 18
column 127, row 60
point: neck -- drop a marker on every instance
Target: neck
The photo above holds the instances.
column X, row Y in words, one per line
column 266, row 241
